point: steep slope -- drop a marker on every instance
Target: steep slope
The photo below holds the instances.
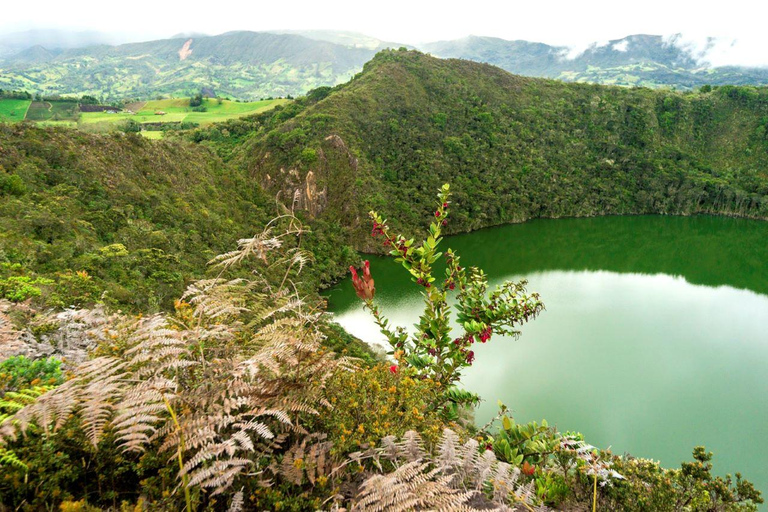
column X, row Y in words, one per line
column 513, row 147
column 247, row 65
column 140, row 217
column 644, row 60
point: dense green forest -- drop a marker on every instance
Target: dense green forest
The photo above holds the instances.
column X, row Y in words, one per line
column 514, row 148
column 200, row 372
column 517, row 148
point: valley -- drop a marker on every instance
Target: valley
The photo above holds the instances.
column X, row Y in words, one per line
column 179, row 331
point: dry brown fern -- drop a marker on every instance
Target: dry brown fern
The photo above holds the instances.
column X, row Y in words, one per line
column 182, row 386
column 451, row 479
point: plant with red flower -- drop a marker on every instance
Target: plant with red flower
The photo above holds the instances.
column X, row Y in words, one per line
column 528, row 469
column 364, row 287
column 431, row 351
column 393, row 368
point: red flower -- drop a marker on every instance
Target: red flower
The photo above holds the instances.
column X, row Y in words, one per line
column 445, row 205
column 470, row 357
column 528, row 469
column 485, row 335
column 445, row 222
column 393, row 368
column 437, row 213
column 364, row 287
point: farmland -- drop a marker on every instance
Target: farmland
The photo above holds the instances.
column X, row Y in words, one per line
column 12, row 110
column 52, row 111
column 153, row 113
column 177, row 110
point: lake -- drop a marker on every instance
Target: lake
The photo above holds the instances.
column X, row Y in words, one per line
column 654, row 338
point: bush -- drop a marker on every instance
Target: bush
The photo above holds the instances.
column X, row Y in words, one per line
column 19, row 372
column 12, row 185
column 372, row 403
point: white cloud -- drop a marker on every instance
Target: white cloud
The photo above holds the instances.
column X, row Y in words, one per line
column 621, row 46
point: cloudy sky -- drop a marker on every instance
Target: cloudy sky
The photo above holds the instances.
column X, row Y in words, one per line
column 737, row 24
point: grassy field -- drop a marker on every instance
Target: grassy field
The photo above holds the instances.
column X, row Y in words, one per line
column 52, row 111
column 152, row 135
column 65, row 113
column 13, row 110
column 178, row 110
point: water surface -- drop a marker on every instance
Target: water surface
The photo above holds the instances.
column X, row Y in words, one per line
column 654, row 338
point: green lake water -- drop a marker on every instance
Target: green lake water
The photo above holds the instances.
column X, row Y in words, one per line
column 654, row 339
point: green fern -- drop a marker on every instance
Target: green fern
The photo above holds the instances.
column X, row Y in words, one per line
column 14, row 401
column 8, row 458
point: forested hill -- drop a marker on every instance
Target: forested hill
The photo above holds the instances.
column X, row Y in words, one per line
column 513, row 148
column 141, row 217
column 116, row 213
column 245, row 65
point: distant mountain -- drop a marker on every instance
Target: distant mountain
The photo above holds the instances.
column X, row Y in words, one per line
column 247, row 65
column 253, row 65
column 53, row 39
column 644, row 60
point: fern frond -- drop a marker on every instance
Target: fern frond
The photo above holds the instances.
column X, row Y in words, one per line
column 8, row 458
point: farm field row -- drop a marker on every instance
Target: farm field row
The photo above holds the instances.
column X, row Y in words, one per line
column 177, row 110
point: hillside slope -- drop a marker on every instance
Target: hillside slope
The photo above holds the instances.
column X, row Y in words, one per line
column 246, row 65
column 513, row 148
column 642, row 60
column 140, row 217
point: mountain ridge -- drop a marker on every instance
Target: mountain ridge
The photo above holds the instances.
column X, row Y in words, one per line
column 253, row 65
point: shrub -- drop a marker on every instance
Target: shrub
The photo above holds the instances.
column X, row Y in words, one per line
column 432, row 351
column 20, row 372
column 371, row 403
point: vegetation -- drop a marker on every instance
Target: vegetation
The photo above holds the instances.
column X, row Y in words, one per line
column 235, row 375
column 246, row 65
column 236, row 391
column 636, row 60
column 136, row 218
column 149, row 115
column 432, row 350
column 517, row 148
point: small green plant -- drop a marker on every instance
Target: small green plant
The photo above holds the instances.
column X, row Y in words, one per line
column 432, row 350
column 21, row 288
column 20, row 372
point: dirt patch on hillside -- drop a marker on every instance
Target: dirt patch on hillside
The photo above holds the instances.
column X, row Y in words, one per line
column 185, row 50
column 136, row 106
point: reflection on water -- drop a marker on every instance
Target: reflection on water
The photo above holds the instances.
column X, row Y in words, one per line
column 654, row 338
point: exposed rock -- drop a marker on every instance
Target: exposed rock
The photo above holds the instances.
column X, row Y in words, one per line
column 73, row 334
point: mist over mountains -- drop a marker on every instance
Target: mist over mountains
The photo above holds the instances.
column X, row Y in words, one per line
column 253, row 65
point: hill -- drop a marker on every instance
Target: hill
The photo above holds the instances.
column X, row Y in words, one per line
column 54, row 39
column 246, row 65
column 512, row 147
column 140, row 218
column 641, row 60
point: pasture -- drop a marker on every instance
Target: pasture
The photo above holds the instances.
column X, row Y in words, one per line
column 12, row 110
column 52, row 111
column 177, row 110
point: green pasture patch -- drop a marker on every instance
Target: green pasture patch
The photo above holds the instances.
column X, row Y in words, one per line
column 12, row 110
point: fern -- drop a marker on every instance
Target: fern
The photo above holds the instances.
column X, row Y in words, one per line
column 220, row 410
column 8, row 458
column 445, row 480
